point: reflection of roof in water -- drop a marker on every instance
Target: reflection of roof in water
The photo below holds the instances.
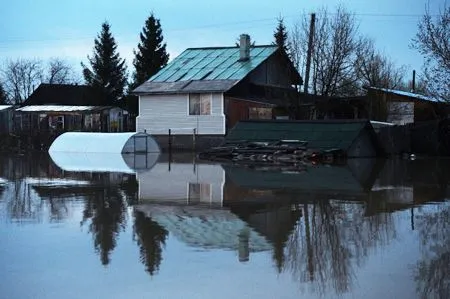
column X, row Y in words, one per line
column 205, row 227
column 315, row 179
column 68, row 191
column 55, row 182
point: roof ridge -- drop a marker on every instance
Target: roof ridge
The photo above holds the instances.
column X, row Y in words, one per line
column 229, row 47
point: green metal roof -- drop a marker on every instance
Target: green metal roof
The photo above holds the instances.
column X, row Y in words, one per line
column 319, row 134
column 212, row 64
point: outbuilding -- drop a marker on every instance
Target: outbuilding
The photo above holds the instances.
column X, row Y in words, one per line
column 354, row 137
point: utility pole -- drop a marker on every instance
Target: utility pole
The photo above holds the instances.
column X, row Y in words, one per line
column 310, row 51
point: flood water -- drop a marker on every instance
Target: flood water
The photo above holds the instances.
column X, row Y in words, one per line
column 181, row 228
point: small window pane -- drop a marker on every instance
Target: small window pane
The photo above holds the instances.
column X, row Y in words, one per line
column 205, row 101
column 199, row 104
column 194, row 104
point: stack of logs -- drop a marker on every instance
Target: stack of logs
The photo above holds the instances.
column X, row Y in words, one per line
column 280, row 152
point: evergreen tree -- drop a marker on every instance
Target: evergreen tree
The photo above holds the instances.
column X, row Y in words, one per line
column 151, row 55
column 107, row 72
column 281, row 36
column 3, row 98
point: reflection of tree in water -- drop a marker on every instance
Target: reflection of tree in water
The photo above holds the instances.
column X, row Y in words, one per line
column 432, row 272
column 22, row 204
column 331, row 239
column 151, row 238
column 107, row 211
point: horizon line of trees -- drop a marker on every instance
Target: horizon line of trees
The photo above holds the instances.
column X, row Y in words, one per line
column 343, row 61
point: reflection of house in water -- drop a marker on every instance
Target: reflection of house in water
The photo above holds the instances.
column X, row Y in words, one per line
column 207, row 227
column 403, row 184
column 352, row 181
column 3, row 183
column 182, row 182
column 186, row 200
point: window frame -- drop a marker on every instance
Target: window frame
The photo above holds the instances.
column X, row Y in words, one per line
column 202, row 98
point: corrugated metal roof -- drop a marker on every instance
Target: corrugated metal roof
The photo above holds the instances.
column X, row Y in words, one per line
column 205, row 70
column 57, row 108
column 212, row 64
column 408, row 94
column 4, row 107
column 318, row 134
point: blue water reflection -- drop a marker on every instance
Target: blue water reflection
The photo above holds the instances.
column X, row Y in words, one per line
column 182, row 228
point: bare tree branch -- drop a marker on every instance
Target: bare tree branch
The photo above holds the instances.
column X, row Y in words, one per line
column 21, row 77
column 60, row 71
column 433, row 42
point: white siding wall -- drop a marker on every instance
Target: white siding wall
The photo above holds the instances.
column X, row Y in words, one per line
column 162, row 184
column 159, row 113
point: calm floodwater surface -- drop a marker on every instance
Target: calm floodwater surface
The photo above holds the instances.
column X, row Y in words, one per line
column 187, row 229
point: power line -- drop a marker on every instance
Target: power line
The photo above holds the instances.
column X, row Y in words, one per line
column 219, row 25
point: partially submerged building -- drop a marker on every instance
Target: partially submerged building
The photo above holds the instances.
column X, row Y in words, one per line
column 354, row 137
column 6, row 117
column 401, row 107
column 206, row 91
column 55, row 108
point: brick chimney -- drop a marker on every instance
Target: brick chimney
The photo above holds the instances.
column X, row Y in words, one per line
column 244, row 45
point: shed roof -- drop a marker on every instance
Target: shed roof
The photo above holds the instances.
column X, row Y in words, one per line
column 63, row 94
column 60, row 108
column 4, row 107
column 412, row 95
column 214, row 69
column 319, row 134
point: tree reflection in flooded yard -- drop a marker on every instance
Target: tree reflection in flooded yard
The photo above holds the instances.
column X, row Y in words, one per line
column 151, row 239
column 432, row 272
column 106, row 210
column 326, row 232
column 334, row 238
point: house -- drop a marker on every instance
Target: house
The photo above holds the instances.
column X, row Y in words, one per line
column 206, row 91
column 400, row 107
column 6, row 116
column 56, row 108
column 356, row 138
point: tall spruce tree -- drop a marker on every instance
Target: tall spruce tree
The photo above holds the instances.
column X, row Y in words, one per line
column 281, row 36
column 151, row 55
column 107, row 72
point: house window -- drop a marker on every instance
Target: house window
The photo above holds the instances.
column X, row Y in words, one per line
column 259, row 113
column 199, row 192
column 56, row 122
column 199, row 104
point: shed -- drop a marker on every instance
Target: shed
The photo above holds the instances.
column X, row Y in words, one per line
column 48, row 118
column 356, row 138
column 6, row 116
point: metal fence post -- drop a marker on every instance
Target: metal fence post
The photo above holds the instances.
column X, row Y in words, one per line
column 193, row 140
column 170, row 140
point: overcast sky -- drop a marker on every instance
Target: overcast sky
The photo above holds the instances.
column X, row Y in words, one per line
column 48, row 28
